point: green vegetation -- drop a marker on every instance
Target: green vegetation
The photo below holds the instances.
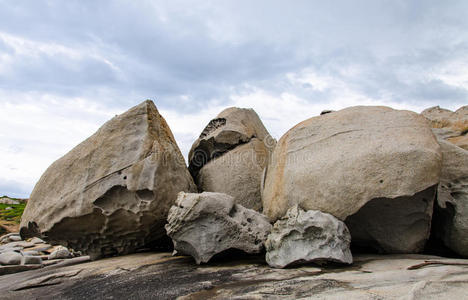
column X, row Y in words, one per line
column 14, row 214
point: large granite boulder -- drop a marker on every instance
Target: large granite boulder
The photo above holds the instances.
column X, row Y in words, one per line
column 111, row 193
column 230, row 156
column 361, row 158
column 449, row 125
column 203, row 225
column 308, row 236
column 451, row 209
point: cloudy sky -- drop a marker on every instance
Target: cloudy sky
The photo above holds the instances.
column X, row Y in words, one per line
column 68, row 66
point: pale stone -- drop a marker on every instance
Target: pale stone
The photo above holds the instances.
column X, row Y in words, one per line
column 202, row 225
column 303, row 237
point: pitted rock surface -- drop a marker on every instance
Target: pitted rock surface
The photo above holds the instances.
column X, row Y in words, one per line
column 203, row 225
column 111, row 193
column 308, row 236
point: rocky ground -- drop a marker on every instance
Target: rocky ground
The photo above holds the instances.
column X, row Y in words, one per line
column 162, row 276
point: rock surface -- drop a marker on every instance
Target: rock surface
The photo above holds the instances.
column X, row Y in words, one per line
column 203, row 225
column 232, row 151
column 10, row 258
column 449, row 125
column 338, row 163
column 161, row 276
column 451, row 210
column 312, row 236
column 111, row 193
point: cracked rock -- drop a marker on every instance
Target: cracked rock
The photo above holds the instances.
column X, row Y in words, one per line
column 370, row 158
column 203, row 225
column 230, row 156
column 111, row 193
column 308, row 236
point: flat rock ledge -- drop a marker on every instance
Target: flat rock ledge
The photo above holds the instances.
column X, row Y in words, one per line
column 203, row 225
column 308, row 236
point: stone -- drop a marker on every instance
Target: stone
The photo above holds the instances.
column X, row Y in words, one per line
column 308, row 236
column 31, row 260
column 340, row 162
column 20, row 245
column 36, row 240
column 30, row 253
column 15, row 238
column 449, row 125
column 237, row 173
column 10, row 258
column 60, row 252
column 203, row 225
column 232, row 152
column 451, row 210
column 111, row 193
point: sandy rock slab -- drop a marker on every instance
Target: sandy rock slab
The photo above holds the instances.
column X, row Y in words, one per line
column 111, row 194
column 162, row 276
column 203, row 225
column 308, row 236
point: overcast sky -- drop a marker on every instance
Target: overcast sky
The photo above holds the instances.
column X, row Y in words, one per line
column 68, row 66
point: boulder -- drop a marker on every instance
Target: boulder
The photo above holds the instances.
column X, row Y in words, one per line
column 203, row 225
column 340, row 162
column 308, row 236
column 10, row 258
column 232, row 152
column 451, row 209
column 111, row 193
column 31, row 260
column 449, row 125
column 60, row 252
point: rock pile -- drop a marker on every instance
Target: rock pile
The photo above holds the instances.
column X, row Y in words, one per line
column 17, row 255
column 374, row 178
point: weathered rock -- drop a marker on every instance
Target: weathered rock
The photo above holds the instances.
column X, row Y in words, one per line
column 451, row 209
column 338, row 163
column 160, row 276
column 36, row 240
column 230, row 156
column 15, row 238
column 10, row 258
column 312, row 236
column 449, row 125
column 31, row 260
column 202, row 225
column 60, row 252
column 111, row 194
column 237, row 173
